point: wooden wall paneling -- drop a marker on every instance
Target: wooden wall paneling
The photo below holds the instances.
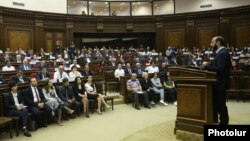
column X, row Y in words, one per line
column 190, row 34
column 38, row 34
column 204, row 36
column 59, row 36
column 69, row 30
column 1, row 31
column 224, row 29
column 175, row 38
column 48, row 41
column 18, row 37
column 241, row 36
column 159, row 35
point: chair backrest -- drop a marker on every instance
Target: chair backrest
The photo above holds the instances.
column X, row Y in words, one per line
column 109, row 75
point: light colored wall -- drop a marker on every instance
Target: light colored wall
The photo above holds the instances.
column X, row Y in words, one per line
column 54, row 6
column 183, row 6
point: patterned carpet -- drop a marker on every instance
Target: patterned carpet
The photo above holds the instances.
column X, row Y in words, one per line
column 239, row 113
column 159, row 132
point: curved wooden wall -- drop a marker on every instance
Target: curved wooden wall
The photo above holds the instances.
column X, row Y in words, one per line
column 28, row 29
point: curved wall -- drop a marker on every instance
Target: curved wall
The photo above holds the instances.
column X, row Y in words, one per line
column 53, row 6
column 26, row 29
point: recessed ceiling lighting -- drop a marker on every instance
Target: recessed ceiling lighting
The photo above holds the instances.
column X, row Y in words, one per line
column 106, row 2
column 89, row 2
column 138, row 3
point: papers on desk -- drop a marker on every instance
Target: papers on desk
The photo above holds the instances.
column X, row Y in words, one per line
column 140, row 92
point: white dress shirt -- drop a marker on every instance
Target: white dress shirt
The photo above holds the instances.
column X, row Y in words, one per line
column 34, row 94
column 57, row 75
column 15, row 98
column 152, row 69
column 6, row 68
column 119, row 72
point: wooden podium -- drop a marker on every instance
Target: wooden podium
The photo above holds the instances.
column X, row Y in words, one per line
column 194, row 96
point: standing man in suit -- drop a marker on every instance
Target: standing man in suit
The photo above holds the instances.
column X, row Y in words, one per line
column 15, row 105
column 222, row 66
column 25, row 65
column 35, row 100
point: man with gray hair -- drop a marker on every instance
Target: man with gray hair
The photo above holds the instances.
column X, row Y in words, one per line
column 134, row 87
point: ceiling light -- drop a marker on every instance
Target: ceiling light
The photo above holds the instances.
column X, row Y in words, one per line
column 106, row 2
column 138, row 3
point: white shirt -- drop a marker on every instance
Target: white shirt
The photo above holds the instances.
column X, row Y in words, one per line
column 6, row 68
column 15, row 98
column 34, row 94
column 152, row 69
column 75, row 74
column 119, row 72
column 57, row 75
column 78, row 66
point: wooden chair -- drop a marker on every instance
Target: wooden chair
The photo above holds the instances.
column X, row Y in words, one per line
column 5, row 122
column 110, row 80
column 15, row 119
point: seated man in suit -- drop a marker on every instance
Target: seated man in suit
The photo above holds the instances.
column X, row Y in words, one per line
column 138, row 69
column 25, row 65
column 134, row 86
column 1, row 80
column 128, row 69
column 86, row 71
column 163, row 68
column 19, row 77
column 35, row 100
column 42, row 64
column 43, row 75
column 14, row 103
column 67, row 95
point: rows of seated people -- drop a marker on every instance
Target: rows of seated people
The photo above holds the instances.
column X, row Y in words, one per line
column 48, row 104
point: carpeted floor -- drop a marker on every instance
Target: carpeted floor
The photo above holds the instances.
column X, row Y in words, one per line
column 125, row 124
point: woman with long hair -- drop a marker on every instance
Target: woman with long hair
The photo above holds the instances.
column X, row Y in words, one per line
column 81, row 95
column 55, row 103
column 92, row 94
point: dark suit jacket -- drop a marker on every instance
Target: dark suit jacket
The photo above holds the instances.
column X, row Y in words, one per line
column 86, row 73
column 40, row 77
column 17, row 80
column 10, row 103
column 146, row 85
column 1, row 79
column 29, row 99
column 136, row 70
column 127, row 72
column 164, row 70
column 21, row 67
column 62, row 93
column 76, row 90
column 222, row 65
column 110, row 64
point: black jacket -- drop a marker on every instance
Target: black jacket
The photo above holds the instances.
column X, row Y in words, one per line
column 29, row 99
column 222, row 66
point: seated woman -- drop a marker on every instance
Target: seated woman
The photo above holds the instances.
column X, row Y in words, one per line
column 54, row 101
column 171, row 90
column 158, row 88
column 81, row 95
column 92, row 94
column 14, row 103
column 74, row 73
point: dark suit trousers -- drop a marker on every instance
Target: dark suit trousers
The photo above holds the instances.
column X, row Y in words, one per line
column 136, row 98
column 219, row 106
column 41, row 114
column 23, row 114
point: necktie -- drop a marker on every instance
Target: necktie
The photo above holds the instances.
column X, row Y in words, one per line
column 139, row 71
column 61, row 75
column 37, row 95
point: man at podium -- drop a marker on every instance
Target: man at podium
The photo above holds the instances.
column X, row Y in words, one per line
column 222, row 66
